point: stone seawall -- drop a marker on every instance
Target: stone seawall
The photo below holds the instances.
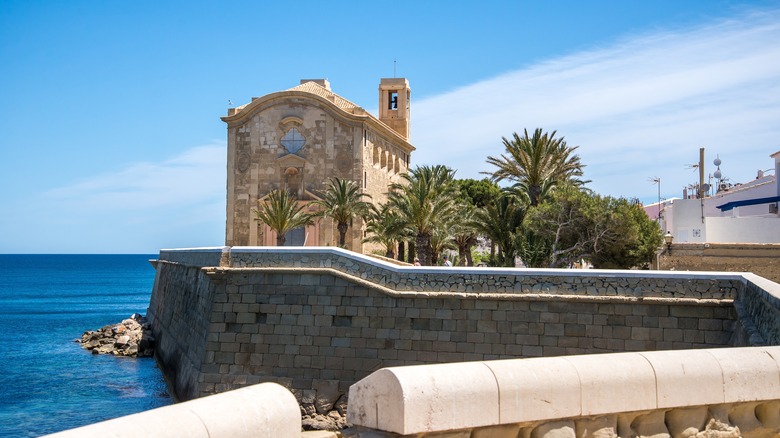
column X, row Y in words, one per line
column 317, row 320
column 180, row 314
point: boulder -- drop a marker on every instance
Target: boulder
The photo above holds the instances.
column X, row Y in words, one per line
column 132, row 337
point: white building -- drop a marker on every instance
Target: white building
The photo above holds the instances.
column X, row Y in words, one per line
column 745, row 213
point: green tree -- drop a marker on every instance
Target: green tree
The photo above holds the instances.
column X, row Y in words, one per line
column 536, row 164
column 342, row 200
column 634, row 238
column 568, row 223
column 610, row 232
column 385, row 227
column 478, row 193
column 425, row 200
column 281, row 213
column 464, row 233
column 500, row 221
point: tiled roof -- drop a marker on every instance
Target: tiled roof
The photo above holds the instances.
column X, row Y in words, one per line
column 315, row 88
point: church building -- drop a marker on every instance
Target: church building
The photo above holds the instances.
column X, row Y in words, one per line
column 299, row 138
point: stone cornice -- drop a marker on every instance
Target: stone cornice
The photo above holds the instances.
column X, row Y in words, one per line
column 359, row 116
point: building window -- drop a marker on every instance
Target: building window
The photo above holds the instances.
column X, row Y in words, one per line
column 293, row 141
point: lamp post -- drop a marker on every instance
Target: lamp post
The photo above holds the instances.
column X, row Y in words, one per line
column 668, row 239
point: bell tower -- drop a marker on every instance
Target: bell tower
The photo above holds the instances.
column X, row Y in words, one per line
column 394, row 104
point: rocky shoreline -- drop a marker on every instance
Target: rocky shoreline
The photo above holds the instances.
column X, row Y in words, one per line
column 132, row 338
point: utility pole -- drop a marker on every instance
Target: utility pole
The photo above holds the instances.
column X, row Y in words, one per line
column 701, row 182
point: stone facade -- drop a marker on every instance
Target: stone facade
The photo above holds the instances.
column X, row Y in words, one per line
column 319, row 317
column 299, row 138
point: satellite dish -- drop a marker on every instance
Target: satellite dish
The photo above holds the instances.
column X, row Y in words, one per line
column 705, row 188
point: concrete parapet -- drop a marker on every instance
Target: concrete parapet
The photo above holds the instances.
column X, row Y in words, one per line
column 266, row 409
column 623, row 394
column 200, row 257
column 758, row 308
column 615, row 285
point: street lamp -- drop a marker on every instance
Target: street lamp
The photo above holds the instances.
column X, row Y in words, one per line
column 668, row 239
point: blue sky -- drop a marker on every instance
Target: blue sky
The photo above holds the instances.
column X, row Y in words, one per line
column 110, row 138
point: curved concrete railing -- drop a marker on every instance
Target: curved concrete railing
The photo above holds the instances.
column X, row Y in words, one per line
column 266, row 409
column 732, row 386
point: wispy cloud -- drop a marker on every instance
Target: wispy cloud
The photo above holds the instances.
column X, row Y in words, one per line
column 641, row 107
column 194, row 177
column 142, row 207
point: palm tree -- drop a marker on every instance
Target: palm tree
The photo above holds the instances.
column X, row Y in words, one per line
column 537, row 164
column 442, row 239
column 501, row 221
column 464, row 233
column 281, row 213
column 342, row 200
column 385, row 227
column 424, row 200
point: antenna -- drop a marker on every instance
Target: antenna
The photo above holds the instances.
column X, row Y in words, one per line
column 657, row 180
column 393, row 68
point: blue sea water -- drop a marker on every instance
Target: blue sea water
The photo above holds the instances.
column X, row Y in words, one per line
column 48, row 382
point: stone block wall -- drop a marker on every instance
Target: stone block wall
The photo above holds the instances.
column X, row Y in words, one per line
column 180, row 314
column 304, row 327
column 319, row 319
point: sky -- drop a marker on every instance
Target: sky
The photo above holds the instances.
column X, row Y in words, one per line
column 111, row 142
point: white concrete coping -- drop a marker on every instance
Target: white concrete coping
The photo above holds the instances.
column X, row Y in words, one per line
column 425, row 398
column 551, row 272
column 431, row 398
column 266, row 409
column 206, row 256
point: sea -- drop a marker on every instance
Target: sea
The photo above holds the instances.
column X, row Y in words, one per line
column 48, row 383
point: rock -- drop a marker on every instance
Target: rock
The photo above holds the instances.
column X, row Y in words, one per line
column 327, row 395
column 341, row 405
column 132, row 337
column 319, row 422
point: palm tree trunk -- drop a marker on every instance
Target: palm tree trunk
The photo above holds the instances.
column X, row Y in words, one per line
column 424, row 249
column 401, row 251
column 280, row 239
column 342, row 227
column 463, row 250
column 470, row 259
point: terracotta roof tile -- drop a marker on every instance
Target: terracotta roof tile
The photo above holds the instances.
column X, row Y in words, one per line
column 315, row 88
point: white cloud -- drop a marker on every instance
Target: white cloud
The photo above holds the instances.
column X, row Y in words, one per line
column 140, row 208
column 195, row 176
column 640, row 108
